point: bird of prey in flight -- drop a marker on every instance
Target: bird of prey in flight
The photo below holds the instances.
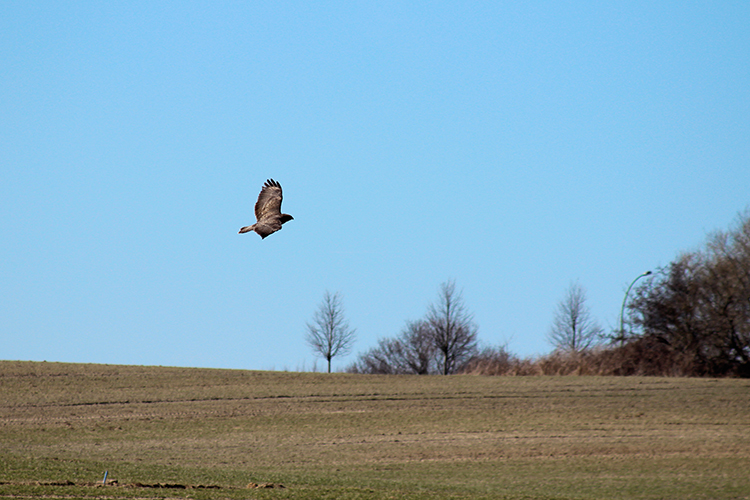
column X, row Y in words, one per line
column 268, row 211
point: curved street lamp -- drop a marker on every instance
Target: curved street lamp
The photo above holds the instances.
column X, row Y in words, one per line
column 622, row 310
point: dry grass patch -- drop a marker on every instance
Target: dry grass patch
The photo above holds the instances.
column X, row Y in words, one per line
column 359, row 436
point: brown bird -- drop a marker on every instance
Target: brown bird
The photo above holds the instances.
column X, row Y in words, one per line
column 268, row 211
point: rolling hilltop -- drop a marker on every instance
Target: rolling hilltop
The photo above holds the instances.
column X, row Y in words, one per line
column 212, row 433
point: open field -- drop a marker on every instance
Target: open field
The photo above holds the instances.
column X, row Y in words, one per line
column 196, row 433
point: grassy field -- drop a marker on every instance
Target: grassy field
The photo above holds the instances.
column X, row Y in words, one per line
column 197, row 433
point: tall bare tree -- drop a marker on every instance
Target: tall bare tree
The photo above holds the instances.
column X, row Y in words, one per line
column 329, row 334
column 452, row 329
column 573, row 329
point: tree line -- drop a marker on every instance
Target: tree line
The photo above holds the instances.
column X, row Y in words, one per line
column 689, row 318
column 696, row 311
column 440, row 343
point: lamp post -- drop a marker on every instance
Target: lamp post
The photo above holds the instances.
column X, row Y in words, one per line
column 624, row 300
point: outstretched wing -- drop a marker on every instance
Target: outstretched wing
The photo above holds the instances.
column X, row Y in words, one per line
column 268, row 205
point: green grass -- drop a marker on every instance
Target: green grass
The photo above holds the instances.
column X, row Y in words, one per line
column 359, row 436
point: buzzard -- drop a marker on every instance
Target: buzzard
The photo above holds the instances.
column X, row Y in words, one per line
column 268, row 211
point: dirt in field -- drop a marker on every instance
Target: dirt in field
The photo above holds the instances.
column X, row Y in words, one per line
column 165, row 486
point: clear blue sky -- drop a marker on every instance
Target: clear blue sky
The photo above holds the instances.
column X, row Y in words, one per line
column 513, row 147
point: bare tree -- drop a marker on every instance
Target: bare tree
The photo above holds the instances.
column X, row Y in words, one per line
column 329, row 334
column 451, row 329
column 412, row 352
column 380, row 360
column 573, row 329
column 418, row 349
column 440, row 343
